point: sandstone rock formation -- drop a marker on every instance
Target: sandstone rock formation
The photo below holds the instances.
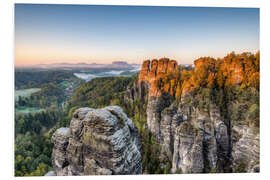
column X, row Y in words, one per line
column 188, row 153
column 164, row 75
column 153, row 76
column 98, row 142
column 198, row 140
column 246, row 149
column 60, row 139
column 156, row 70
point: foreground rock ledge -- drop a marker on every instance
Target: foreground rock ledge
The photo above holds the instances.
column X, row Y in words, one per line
column 98, row 142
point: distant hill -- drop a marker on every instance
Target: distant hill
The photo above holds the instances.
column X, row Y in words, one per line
column 113, row 65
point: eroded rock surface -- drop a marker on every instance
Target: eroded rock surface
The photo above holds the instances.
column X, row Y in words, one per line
column 188, row 150
column 246, row 149
column 154, row 71
column 98, row 142
column 210, row 145
column 60, row 139
column 201, row 141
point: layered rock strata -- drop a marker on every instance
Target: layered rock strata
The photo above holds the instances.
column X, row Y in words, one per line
column 98, row 142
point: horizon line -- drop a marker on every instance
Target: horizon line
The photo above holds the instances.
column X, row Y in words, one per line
column 89, row 63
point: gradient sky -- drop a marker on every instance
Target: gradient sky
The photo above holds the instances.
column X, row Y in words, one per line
column 85, row 33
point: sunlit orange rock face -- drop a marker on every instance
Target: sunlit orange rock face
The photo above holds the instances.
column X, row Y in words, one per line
column 234, row 70
column 203, row 75
column 163, row 75
column 155, row 73
column 144, row 71
column 240, row 69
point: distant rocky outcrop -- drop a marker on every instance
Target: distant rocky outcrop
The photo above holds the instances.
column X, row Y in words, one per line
column 98, row 142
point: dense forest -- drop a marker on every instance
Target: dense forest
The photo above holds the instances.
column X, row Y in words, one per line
column 32, row 142
column 50, row 94
column 30, row 79
column 100, row 91
column 33, row 129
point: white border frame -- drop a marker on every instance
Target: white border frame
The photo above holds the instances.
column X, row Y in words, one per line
column 7, row 76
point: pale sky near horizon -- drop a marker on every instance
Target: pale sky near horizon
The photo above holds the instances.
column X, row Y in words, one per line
column 101, row 34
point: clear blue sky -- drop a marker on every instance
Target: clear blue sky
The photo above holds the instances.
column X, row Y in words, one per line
column 101, row 34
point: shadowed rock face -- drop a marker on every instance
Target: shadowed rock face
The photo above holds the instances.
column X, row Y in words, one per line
column 60, row 139
column 245, row 150
column 98, row 142
column 200, row 141
column 188, row 154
